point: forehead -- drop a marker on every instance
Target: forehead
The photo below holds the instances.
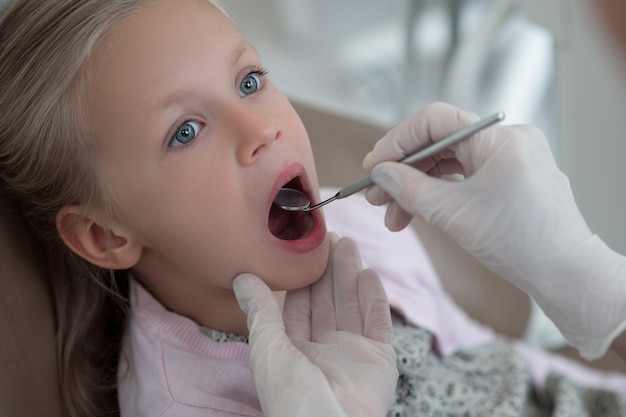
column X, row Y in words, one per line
column 159, row 23
column 164, row 47
column 164, row 36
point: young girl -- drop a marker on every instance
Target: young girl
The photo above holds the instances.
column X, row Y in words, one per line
column 143, row 137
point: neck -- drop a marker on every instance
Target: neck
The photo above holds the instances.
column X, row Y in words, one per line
column 213, row 308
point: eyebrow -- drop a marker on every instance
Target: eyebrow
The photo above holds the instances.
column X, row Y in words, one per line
column 240, row 50
column 171, row 99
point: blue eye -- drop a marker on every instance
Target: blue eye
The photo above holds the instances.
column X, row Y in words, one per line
column 249, row 85
column 252, row 82
column 185, row 133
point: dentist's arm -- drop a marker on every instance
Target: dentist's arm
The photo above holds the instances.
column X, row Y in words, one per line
column 333, row 354
column 515, row 212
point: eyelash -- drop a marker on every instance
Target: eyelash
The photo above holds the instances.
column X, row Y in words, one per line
column 259, row 72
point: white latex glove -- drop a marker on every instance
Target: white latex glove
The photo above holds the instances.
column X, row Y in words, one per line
column 333, row 355
column 514, row 212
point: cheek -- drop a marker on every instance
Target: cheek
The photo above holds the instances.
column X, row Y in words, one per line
column 194, row 232
column 204, row 253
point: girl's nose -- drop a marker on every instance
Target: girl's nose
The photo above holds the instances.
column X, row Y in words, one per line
column 256, row 131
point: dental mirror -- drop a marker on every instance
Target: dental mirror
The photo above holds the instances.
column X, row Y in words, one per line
column 294, row 200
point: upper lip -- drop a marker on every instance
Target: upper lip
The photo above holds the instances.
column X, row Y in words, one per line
column 293, row 171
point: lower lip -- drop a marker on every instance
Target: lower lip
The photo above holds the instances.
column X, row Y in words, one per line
column 312, row 241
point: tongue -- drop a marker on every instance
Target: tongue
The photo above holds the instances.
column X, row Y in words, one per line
column 278, row 221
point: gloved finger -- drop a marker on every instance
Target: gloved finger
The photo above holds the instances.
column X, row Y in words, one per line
column 251, row 292
column 297, row 307
column 377, row 196
column 414, row 191
column 375, row 308
column 297, row 314
column 265, row 321
column 347, row 267
column 323, row 313
column 396, row 218
column 429, row 125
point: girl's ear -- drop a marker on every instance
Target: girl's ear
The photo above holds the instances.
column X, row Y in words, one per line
column 105, row 247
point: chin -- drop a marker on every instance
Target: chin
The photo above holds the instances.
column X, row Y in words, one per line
column 300, row 272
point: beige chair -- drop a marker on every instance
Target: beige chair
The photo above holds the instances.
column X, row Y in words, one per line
column 27, row 352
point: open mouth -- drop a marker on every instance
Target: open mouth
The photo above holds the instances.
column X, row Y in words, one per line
column 291, row 225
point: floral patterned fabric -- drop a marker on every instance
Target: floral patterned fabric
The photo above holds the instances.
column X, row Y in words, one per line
column 490, row 380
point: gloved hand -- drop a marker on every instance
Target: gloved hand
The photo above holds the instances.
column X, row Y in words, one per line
column 333, row 355
column 514, row 211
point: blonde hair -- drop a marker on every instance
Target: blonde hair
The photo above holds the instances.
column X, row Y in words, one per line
column 46, row 163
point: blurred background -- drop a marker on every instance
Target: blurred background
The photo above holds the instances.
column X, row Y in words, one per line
column 544, row 62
